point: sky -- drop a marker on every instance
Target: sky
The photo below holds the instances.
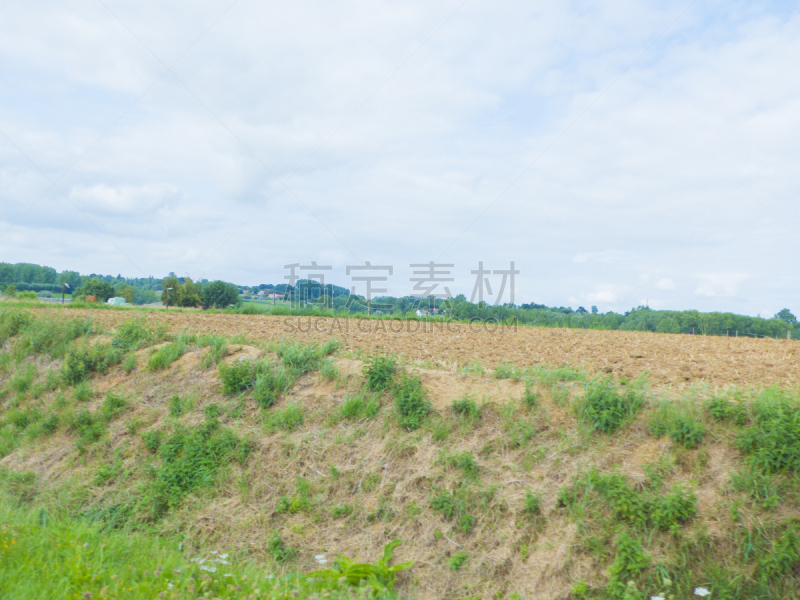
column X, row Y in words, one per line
column 620, row 153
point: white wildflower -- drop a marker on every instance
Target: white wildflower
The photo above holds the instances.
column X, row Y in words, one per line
column 170, row 585
column 701, row 591
column 223, row 555
column 215, row 552
column 320, row 558
column 657, row 598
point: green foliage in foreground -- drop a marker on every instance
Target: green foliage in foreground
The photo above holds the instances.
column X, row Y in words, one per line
column 411, row 401
column 606, row 408
column 379, row 372
column 191, row 458
column 87, row 359
column 48, row 556
column 380, row 577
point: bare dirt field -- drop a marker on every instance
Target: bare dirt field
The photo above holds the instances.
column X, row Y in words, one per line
column 673, row 360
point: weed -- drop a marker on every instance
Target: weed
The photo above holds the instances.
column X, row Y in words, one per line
column 217, row 350
column 329, row 371
column 177, row 406
column 238, row 376
column 83, row 392
column 455, row 506
column 166, row 355
column 270, row 383
column 604, row 408
column 784, row 556
column 22, row 381
column 458, row 560
column 629, row 563
column 191, row 458
column 378, row 578
column 299, row 359
column 773, row 442
column 464, row 461
column 466, row 407
column 687, row 432
column 529, row 397
column 279, row 550
column 288, row 419
column 300, row 502
column 724, row 409
column 507, row 371
column 411, row 402
column 85, row 360
column 380, row 372
column 533, row 503
column 152, row 439
column 129, row 363
column 520, row 432
column 343, row 510
column 133, row 334
column 360, row 406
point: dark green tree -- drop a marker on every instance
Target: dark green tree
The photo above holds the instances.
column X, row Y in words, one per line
column 219, row 294
column 786, row 316
column 101, row 290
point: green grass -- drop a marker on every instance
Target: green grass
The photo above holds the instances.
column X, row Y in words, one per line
column 45, row 555
column 166, row 355
column 380, row 372
column 605, row 407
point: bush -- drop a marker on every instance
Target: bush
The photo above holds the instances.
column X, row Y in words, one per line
column 238, row 376
column 219, row 294
column 411, row 402
column 458, row 560
column 530, row 398
column 605, row 409
column 85, row 359
column 379, row 372
column 360, row 406
column 300, row 359
column 27, row 296
column 133, row 334
column 533, row 503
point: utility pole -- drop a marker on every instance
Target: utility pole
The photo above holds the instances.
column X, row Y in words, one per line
column 168, row 289
column 62, row 291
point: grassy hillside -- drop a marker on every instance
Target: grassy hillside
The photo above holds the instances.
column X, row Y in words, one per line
column 134, row 458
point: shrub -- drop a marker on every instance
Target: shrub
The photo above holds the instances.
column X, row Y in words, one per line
column 412, row 402
column 507, row 371
column 604, row 408
column 380, row 372
column 723, row 409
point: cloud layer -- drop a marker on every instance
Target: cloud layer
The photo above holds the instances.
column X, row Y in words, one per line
column 620, row 153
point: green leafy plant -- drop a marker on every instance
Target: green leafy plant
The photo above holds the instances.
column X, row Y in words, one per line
column 630, row 561
column 466, row 407
column 411, row 402
column 605, row 408
column 687, row 432
column 85, row 360
column 380, row 372
column 360, row 406
column 380, row 577
column 279, row 550
column 530, row 398
column 458, row 560
column 269, row 384
column 533, row 503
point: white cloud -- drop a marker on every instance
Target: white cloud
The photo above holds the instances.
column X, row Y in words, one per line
column 665, row 284
column 514, row 132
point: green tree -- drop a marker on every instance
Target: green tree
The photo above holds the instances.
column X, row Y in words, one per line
column 102, row 290
column 786, row 316
column 172, row 295
column 219, row 294
column 191, row 294
column 668, row 325
column 73, row 278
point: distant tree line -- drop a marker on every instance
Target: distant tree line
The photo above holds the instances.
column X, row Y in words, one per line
column 312, row 295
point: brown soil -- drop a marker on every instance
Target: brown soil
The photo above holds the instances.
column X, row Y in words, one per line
column 669, row 359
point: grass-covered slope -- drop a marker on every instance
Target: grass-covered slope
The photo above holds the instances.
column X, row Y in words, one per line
column 139, row 453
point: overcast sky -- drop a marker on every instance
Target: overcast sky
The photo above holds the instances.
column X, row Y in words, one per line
column 619, row 152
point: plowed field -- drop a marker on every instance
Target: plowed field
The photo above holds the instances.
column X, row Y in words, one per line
column 676, row 360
